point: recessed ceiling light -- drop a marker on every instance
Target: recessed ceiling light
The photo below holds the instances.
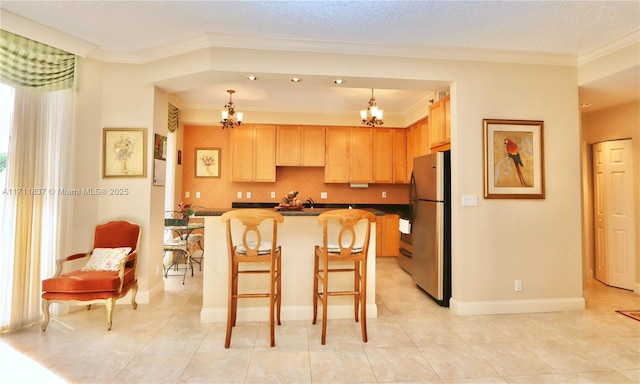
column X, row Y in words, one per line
column 251, row 77
column 296, row 79
column 338, row 81
column 585, row 105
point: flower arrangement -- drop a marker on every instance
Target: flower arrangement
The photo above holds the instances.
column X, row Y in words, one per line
column 186, row 210
column 208, row 160
column 123, row 148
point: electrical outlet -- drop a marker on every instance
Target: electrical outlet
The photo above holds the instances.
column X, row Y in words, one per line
column 197, row 195
column 384, row 194
column 518, row 285
column 239, row 195
column 248, row 195
column 273, row 195
column 323, row 195
column 186, row 195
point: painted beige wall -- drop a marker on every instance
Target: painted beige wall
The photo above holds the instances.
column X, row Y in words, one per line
column 619, row 122
column 537, row 241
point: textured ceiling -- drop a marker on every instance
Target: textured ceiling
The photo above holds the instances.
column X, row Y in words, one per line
column 130, row 27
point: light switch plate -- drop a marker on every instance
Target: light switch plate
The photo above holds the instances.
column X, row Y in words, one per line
column 186, row 195
column 273, row 195
column 197, row 195
column 469, row 200
column 323, row 195
column 248, row 195
column 239, row 195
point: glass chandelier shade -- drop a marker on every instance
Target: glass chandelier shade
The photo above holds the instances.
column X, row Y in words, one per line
column 372, row 116
column 230, row 118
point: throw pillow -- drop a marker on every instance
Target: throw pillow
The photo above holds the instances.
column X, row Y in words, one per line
column 106, row 259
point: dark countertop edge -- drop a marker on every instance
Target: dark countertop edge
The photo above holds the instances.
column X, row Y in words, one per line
column 304, row 212
column 400, row 209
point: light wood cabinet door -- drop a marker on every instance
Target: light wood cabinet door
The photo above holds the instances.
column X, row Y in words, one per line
column 242, row 153
column 312, row 146
column 383, row 155
column 253, row 156
column 361, row 155
column 440, row 125
column 391, row 235
column 288, row 146
column 336, row 168
column 264, row 167
column 300, row 146
column 399, row 138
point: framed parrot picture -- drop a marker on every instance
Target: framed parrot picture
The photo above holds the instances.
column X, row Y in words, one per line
column 513, row 159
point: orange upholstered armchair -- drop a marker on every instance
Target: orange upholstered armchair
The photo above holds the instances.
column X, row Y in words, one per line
column 108, row 275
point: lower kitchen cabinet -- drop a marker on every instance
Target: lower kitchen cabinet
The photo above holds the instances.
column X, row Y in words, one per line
column 388, row 235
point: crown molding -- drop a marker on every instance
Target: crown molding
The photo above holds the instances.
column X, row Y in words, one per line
column 316, row 46
column 612, row 46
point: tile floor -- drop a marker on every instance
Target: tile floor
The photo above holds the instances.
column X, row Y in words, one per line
column 412, row 341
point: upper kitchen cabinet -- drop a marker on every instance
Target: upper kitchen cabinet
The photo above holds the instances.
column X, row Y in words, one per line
column 361, row 155
column 336, row 169
column 253, row 153
column 300, row 146
column 417, row 142
column 440, row 125
column 390, row 155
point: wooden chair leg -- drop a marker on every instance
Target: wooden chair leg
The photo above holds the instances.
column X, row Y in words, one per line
column 109, row 303
column 230, row 305
column 325, row 283
column 134, row 292
column 315, row 288
column 363, row 300
column 47, row 316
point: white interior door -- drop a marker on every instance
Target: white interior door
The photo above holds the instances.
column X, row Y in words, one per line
column 614, row 213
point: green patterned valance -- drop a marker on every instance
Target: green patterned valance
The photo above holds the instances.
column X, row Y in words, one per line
column 173, row 118
column 28, row 63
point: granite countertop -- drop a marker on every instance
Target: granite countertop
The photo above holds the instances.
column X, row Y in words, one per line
column 303, row 212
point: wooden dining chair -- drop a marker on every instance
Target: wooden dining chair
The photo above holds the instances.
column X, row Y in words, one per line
column 255, row 245
column 345, row 245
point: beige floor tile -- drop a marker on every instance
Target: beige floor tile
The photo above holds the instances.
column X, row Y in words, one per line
column 457, row 362
column 399, row 364
column 227, row 366
column 413, row 340
column 340, row 365
column 279, row 366
column 154, row 368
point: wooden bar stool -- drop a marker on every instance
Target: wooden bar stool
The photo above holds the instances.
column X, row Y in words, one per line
column 343, row 242
column 251, row 248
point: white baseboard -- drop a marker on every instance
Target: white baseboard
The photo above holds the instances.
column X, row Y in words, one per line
column 516, row 306
column 288, row 313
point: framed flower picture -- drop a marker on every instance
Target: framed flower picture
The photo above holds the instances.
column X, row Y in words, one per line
column 207, row 162
column 124, row 152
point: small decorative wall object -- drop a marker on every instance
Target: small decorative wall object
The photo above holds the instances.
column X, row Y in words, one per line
column 160, row 147
column 179, row 157
column 124, row 152
column 207, row 162
column 513, row 159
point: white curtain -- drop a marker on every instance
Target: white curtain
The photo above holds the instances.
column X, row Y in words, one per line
column 34, row 212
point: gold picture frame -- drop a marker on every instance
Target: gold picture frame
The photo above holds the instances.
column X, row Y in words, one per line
column 124, row 152
column 513, row 159
column 207, row 162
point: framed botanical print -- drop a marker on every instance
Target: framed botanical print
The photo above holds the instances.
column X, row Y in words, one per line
column 124, row 152
column 207, row 162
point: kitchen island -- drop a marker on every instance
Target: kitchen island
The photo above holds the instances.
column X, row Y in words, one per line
column 297, row 235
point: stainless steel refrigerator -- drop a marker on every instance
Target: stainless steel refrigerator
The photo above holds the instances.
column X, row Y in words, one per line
column 430, row 202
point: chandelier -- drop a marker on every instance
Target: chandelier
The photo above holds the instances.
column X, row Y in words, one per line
column 230, row 118
column 371, row 116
